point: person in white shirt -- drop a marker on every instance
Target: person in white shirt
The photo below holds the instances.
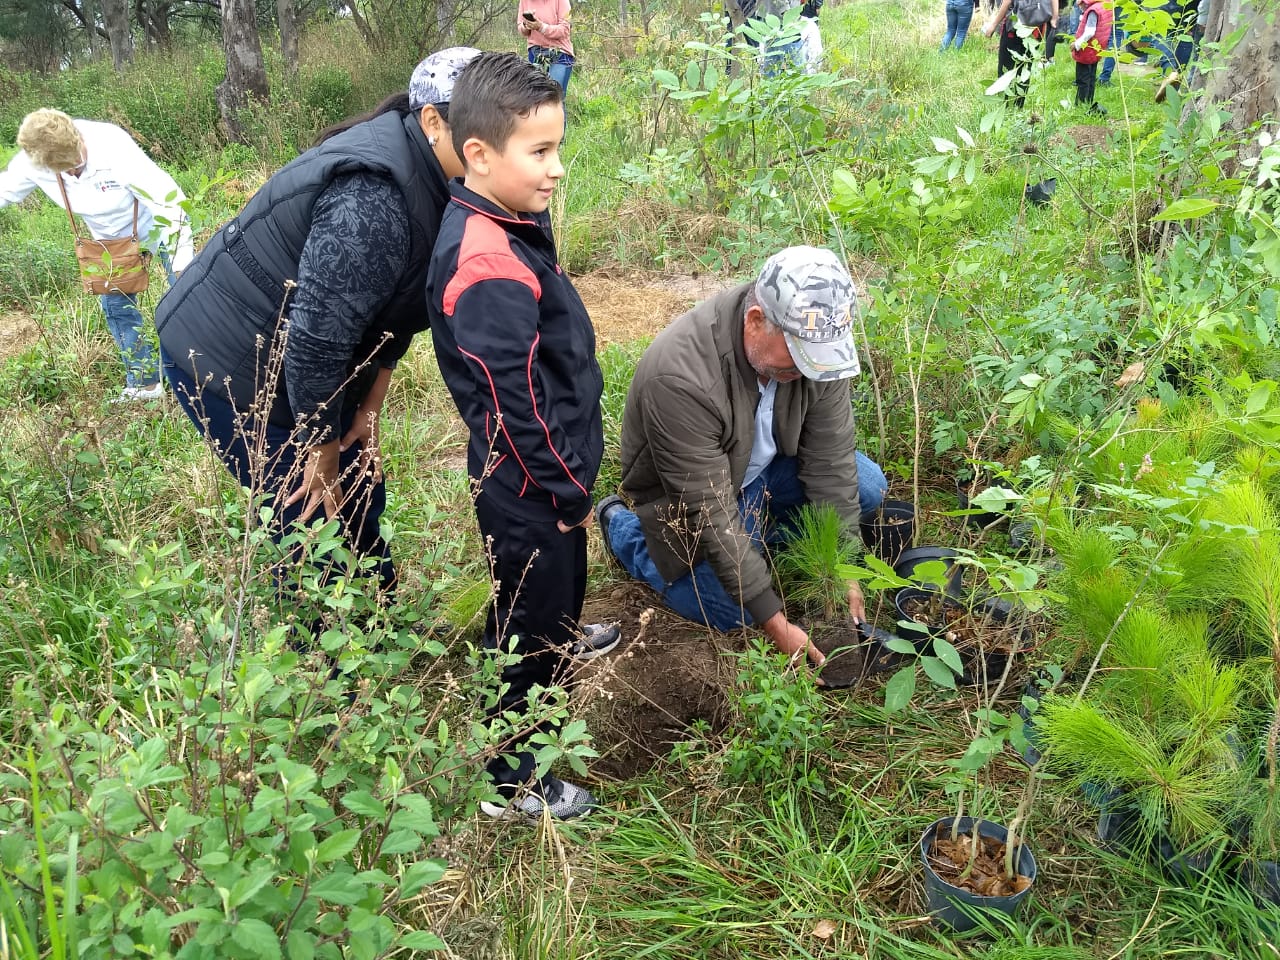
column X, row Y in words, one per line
column 103, row 171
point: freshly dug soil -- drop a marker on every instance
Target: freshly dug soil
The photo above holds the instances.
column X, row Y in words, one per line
column 666, row 675
column 950, row 859
column 847, row 667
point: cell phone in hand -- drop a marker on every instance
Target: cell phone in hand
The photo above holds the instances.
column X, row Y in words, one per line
column 528, row 15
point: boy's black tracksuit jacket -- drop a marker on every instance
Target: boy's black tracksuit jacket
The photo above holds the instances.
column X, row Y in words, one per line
column 516, row 348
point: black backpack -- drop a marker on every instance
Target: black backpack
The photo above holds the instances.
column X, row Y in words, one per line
column 1033, row 13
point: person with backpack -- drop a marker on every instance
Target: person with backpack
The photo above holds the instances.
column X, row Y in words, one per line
column 1092, row 36
column 1018, row 21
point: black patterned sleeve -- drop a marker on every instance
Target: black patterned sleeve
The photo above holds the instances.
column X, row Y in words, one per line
column 352, row 262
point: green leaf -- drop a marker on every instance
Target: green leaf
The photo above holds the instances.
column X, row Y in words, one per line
column 666, row 79
column 365, row 804
column 243, row 890
column 938, row 672
column 1187, row 208
column 337, row 846
column 1259, row 397
column 943, row 145
column 419, row 875
column 300, row 945
column 964, row 135
column 401, row 841
column 340, row 888
column 421, row 940
column 900, row 689
column 948, row 654
column 900, row 645
column 257, row 937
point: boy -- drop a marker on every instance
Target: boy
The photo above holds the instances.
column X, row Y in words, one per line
column 1092, row 37
column 516, row 348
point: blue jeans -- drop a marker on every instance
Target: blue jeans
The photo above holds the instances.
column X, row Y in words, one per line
column 1109, row 62
column 766, row 507
column 959, row 15
column 557, row 63
column 782, row 56
column 124, row 320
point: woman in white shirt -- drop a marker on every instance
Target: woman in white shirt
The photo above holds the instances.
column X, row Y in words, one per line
column 103, row 171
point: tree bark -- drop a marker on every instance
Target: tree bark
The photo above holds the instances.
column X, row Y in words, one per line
column 622, row 14
column 1245, row 80
column 115, row 16
column 446, row 17
column 246, row 74
column 287, row 14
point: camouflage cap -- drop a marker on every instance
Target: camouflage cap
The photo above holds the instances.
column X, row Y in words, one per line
column 809, row 294
column 433, row 79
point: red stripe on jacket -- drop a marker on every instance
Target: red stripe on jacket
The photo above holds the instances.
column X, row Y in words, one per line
column 486, row 254
column 533, row 402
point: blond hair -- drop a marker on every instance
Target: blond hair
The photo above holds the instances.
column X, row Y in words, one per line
column 51, row 140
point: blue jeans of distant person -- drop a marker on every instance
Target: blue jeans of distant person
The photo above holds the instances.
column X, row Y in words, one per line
column 780, row 56
column 766, row 506
column 265, row 458
column 557, row 63
column 124, row 320
column 1109, row 56
column 959, row 15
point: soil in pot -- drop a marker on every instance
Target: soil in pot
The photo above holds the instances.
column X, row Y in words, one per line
column 950, row 860
column 928, row 609
column 846, row 651
column 966, row 490
column 889, row 531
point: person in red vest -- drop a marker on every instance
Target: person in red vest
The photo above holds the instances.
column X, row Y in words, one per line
column 1092, row 37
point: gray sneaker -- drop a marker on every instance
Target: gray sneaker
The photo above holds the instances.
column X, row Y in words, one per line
column 597, row 639
column 550, row 795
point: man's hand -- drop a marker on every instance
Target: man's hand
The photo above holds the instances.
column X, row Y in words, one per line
column 320, row 482
column 857, row 607
column 583, row 523
column 364, row 431
column 791, row 639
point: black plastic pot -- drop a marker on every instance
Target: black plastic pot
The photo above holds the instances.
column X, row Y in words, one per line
column 947, row 903
column 1264, row 879
column 997, row 611
column 910, row 629
column 880, row 659
column 889, row 531
column 979, row 521
column 913, row 558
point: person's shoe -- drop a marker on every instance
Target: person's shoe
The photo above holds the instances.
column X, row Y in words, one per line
column 597, row 639
column 604, row 509
column 134, row 394
column 1172, row 80
column 551, row 795
column 1098, row 109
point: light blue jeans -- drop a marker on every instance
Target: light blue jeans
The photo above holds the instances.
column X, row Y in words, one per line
column 766, row 506
column 124, row 320
column 959, row 15
column 557, row 63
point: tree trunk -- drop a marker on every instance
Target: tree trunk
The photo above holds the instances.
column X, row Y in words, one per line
column 1245, row 80
column 622, row 14
column 446, row 17
column 287, row 14
column 246, row 74
column 115, row 16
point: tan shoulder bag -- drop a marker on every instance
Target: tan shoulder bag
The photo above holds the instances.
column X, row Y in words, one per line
column 110, row 266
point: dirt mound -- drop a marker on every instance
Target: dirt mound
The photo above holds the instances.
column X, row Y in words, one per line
column 1085, row 136
column 17, row 332
column 667, row 674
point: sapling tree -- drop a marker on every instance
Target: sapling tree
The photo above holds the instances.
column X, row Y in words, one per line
column 811, row 567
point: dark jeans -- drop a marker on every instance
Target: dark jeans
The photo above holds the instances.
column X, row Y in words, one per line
column 1086, row 79
column 541, row 577
column 1109, row 62
column 1013, row 53
column 272, row 468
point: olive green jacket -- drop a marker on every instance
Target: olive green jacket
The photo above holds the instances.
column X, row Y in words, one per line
column 687, row 434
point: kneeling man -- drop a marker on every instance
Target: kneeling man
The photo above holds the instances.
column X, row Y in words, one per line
column 739, row 414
